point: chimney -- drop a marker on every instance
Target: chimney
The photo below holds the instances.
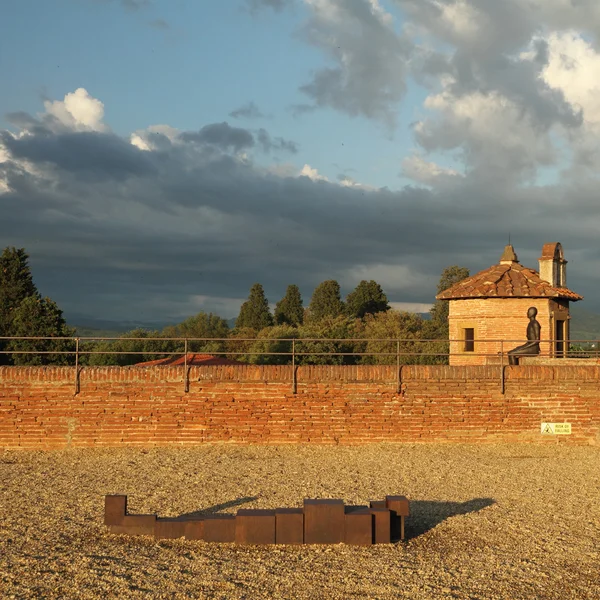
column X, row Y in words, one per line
column 553, row 266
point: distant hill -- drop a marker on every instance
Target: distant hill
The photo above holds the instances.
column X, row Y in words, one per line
column 585, row 325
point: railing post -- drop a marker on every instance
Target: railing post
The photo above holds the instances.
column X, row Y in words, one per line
column 398, row 368
column 502, row 366
column 76, row 366
column 294, row 377
column 186, row 374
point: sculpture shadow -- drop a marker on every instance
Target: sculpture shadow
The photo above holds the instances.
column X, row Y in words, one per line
column 425, row 515
column 216, row 508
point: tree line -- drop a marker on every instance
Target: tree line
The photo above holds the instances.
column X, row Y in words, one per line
column 330, row 330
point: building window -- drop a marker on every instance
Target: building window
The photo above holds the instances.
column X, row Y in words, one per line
column 469, row 337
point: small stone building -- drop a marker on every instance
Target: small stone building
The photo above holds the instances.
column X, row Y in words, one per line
column 492, row 305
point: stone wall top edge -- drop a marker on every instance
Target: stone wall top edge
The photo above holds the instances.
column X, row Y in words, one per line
column 307, row 373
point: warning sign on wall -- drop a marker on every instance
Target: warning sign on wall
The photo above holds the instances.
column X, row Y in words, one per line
column 556, row 428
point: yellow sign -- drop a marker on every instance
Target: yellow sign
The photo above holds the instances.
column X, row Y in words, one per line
column 556, row 428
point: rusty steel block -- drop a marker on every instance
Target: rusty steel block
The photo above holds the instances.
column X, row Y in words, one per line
column 135, row 525
column 358, row 526
column 400, row 509
column 377, row 504
column 324, row 521
column 399, row 504
column 219, row 528
column 382, row 531
column 255, row 526
column 115, row 508
column 194, row 530
column 169, row 529
column 289, row 526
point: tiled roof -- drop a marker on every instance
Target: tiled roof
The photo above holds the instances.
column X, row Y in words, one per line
column 192, row 360
column 506, row 280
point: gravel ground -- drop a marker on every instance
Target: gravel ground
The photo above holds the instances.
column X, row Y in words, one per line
column 503, row 521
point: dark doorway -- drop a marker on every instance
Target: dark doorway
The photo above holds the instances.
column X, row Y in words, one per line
column 559, row 337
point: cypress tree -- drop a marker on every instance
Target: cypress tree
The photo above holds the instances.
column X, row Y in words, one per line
column 289, row 310
column 16, row 284
column 326, row 301
column 254, row 313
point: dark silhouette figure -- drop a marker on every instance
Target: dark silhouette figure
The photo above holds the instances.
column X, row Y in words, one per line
column 532, row 347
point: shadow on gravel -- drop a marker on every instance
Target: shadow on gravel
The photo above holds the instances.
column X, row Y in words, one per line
column 218, row 507
column 425, row 515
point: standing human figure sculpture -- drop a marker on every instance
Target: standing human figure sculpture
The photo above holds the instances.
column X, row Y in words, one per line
column 532, row 347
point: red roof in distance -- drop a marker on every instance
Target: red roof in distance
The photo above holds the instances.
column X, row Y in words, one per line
column 193, row 359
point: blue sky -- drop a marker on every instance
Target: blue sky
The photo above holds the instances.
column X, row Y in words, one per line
column 389, row 139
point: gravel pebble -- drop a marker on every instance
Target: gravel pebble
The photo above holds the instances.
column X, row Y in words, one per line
column 492, row 521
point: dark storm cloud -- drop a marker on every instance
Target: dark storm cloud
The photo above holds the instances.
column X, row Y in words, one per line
column 196, row 224
column 222, row 135
column 268, row 143
column 247, row 111
column 85, row 153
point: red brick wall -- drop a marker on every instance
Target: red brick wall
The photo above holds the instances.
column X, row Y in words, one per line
column 252, row 404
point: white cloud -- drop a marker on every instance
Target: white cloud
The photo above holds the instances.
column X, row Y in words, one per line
column 429, row 173
column 78, row 111
column 308, row 171
column 574, row 69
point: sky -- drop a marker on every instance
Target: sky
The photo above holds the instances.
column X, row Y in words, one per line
column 158, row 157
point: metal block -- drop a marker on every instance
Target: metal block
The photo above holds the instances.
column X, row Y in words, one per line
column 399, row 504
column 115, row 508
column 194, row 530
column 219, row 528
column 377, row 504
column 135, row 525
column 169, row 529
column 255, row 526
column 289, row 526
column 382, row 531
column 323, row 521
column 400, row 509
column 358, row 526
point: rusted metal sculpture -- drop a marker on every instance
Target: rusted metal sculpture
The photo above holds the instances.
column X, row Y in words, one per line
column 319, row 521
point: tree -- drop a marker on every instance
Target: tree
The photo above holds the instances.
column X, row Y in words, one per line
column 403, row 329
column 289, row 310
column 326, row 301
column 319, row 340
column 367, row 299
column 143, row 349
column 202, row 325
column 40, row 317
column 16, row 284
column 439, row 311
column 254, row 313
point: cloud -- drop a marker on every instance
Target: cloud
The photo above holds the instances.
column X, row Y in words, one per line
column 369, row 59
column 222, row 135
column 247, row 111
column 415, row 167
column 254, row 6
column 78, row 111
column 159, row 222
column 268, row 144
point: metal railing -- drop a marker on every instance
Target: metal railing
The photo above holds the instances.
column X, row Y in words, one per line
column 298, row 351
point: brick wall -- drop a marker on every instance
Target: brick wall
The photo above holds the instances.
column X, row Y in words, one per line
column 254, row 404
